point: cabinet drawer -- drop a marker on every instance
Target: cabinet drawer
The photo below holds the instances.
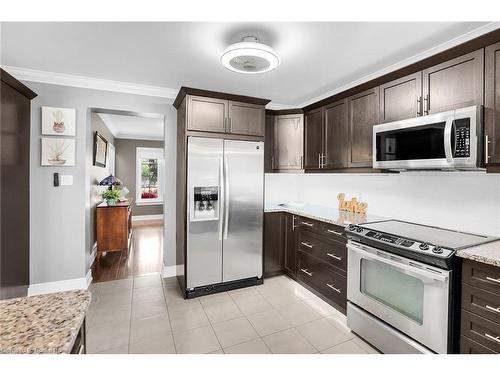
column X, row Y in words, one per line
column 330, row 251
column 481, row 330
column 333, row 285
column 481, row 302
column 481, row 275
column 309, row 224
column 322, row 278
column 335, row 232
column 468, row 346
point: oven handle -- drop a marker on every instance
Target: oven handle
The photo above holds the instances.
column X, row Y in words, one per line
column 447, row 139
column 409, row 270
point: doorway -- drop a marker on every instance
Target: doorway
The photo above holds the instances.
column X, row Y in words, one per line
column 135, row 158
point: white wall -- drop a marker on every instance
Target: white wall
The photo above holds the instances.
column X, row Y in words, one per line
column 466, row 201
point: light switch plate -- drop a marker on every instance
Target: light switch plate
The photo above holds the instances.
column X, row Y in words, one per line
column 66, row 179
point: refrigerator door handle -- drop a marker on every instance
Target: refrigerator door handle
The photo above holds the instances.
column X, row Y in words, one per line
column 222, row 203
column 226, row 197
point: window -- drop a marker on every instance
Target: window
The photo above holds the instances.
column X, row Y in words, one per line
column 149, row 175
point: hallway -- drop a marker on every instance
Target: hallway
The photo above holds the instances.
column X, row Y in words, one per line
column 145, row 254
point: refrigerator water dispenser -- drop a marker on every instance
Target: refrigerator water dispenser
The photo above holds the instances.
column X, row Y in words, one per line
column 205, row 203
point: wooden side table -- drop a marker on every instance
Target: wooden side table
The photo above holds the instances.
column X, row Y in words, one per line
column 114, row 227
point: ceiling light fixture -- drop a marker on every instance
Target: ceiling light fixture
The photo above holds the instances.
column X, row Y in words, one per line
column 249, row 57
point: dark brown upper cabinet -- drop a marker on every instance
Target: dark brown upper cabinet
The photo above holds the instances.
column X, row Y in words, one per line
column 217, row 112
column 246, row 119
column 313, row 139
column 492, row 105
column 288, row 142
column 401, row 99
column 363, row 115
column 268, row 144
column 454, row 84
column 336, row 135
column 207, row 114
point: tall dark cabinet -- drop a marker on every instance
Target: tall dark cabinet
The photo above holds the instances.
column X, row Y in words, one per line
column 15, row 163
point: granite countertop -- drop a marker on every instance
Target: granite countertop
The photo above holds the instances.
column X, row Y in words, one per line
column 46, row 323
column 323, row 213
column 488, row 253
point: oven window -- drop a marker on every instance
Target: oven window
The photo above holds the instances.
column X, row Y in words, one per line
column 422, row 142
column 395, row 289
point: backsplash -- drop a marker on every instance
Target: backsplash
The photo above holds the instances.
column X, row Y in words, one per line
column 465, row 201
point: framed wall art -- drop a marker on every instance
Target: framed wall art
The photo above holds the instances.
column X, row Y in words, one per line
column 100, row 150
column 58, row 121
column 58, row 152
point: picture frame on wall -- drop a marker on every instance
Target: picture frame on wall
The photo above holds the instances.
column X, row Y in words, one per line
column 100, row 150
column 58, row 121
column 58, row 152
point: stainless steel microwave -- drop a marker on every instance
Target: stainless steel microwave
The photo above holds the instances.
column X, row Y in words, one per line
column 446, row 140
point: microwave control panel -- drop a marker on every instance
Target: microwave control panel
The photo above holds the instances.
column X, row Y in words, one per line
column 462, row 138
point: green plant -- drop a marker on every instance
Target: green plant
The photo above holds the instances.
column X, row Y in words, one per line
column 110, row 194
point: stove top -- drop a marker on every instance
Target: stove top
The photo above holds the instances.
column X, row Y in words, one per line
column 421, row 242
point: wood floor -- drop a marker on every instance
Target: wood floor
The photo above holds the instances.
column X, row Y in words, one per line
column 145, row 255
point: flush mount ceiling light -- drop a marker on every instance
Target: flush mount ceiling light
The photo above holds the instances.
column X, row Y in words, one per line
column 249, row 57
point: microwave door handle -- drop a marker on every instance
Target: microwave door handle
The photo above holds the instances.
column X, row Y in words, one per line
column 407, row 269
column 448, row 151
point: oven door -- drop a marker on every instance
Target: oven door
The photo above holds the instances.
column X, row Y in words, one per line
column 410, row 296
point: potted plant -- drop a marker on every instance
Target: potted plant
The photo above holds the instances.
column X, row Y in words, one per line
column 111, row 196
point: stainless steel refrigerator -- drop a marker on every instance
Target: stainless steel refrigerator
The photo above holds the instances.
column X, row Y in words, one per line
column 225, row 194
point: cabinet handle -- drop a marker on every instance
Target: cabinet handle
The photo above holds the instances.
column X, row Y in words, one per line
column 333, row 256
column 493, row 338
column 294, row 223
column 494, row 309
column 319, row 160
column 307, row 245
column 80, row 349
column 492, row 279
column 486, row 149
column 419, row 106
column 225, row 124
column 334, row 232
column 306, row 223
column 427, row 104
column 301, row 162
column 306, row 271
column 332, row 287
column 230, row 124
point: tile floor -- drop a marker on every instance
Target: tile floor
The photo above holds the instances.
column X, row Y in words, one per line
column 145, row 314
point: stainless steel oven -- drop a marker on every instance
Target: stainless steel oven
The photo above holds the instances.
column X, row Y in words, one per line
column 409, row 298
column 447, row 140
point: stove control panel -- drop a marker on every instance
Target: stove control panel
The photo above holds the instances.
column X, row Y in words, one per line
column 429, row 249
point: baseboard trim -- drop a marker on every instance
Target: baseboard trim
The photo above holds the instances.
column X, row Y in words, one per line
column 147, row 217
column 168, row 271
column 60, row 286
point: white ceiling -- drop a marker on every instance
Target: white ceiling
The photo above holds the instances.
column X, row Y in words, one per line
column 133, row 127
column 317, row 57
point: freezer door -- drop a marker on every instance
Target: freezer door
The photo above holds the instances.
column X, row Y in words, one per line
column 244, row 196
column 204, row 208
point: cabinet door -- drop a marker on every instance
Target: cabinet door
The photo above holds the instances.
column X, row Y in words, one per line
column 401, row 98
column 492, row 103
column 290, row 261
column 273, row 243
column 336, row 135
column 288, row 142
column 207, row 114
column 454, row 84
column 313, row 139
column 363, row 115
column 246, row 119
column 268, row 144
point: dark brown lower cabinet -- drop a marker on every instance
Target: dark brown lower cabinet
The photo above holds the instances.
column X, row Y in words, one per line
column 312, row 252
column 480, row 316
column 290, row 261
column 274, row 241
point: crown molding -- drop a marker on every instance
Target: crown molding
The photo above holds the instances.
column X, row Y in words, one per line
column 489, row 27
column 71, row 80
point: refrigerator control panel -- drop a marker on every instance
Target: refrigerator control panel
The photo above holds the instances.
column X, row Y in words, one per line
column 205, row 203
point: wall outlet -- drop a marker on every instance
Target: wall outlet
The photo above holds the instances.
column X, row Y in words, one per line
column 66, row 179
